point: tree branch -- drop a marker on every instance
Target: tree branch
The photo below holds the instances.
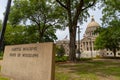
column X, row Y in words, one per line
column 94, row 1
column 62, row 4
column 78, row 11
column 44, row 25
column 34, row 20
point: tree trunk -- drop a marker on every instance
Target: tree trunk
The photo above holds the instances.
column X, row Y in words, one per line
column 114, row 51
column 41, row 34
column 72, row 46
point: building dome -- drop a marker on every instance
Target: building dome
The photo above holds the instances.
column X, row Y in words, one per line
column 93, row 23
column 91, row 27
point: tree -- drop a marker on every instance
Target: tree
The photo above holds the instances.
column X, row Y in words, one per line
column 22, row 35
column 0, row 23
column 109, row 38
column 14, row 35
column 1, row 46
column 40, row 13
column 60, row 51
column 49, row 35
column 17, row 35
column 111, row 11
column 76, row 11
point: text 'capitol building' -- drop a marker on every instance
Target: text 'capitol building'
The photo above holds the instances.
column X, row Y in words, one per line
column 87, row 43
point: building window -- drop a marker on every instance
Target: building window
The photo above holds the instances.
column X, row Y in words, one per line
column 111, row 53
column 107, row 53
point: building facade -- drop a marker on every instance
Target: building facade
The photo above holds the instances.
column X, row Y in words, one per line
column 87, row 43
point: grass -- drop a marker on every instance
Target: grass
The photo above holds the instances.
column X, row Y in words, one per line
column 89, row 70
column 2, row 78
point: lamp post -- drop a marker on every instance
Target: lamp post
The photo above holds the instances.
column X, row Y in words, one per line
column 5, row 22
column 78, row 51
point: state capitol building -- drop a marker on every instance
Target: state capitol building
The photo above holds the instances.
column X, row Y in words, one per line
column 87, row 43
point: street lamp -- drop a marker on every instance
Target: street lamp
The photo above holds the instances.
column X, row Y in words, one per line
column 78, row 51
column 5, row 22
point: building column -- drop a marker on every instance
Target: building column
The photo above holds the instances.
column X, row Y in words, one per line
column 92, row 46
column 89, row 45
column 85, row 45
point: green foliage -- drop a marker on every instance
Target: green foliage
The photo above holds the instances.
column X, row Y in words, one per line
column 14, row 35
column 60, row 51
column 31, row 34
column 62, row 76
column 111, row 11
column 84, row 59
column 1, row 55
column 26, row 34
column 2, row 78
column 109, row 37
column 40, row 13
column 61, row 59
column 0, row 22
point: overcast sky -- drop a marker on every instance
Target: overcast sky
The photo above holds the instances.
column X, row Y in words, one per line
column 61, row 34
column 3, row 4
column 97, row 15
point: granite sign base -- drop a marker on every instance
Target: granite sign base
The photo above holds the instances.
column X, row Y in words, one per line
column 29, row 61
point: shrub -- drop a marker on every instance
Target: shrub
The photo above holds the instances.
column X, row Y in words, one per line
column 60, row 51
column 1, row 55
column 61, row 59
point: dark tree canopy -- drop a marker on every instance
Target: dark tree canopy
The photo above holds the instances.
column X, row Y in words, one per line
column 60, row 51
column 109, row 38
column 40, row 13
column 111, row 11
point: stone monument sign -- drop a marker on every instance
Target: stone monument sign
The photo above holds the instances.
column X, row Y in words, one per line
column 29, row 61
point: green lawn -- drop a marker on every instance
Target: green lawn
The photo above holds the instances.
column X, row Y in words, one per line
column 2, row 78
column 89, row 70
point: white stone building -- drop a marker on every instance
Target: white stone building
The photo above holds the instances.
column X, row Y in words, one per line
column 87, row 43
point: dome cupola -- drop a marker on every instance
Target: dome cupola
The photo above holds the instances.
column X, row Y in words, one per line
column 91, row 27
column 93, row 23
